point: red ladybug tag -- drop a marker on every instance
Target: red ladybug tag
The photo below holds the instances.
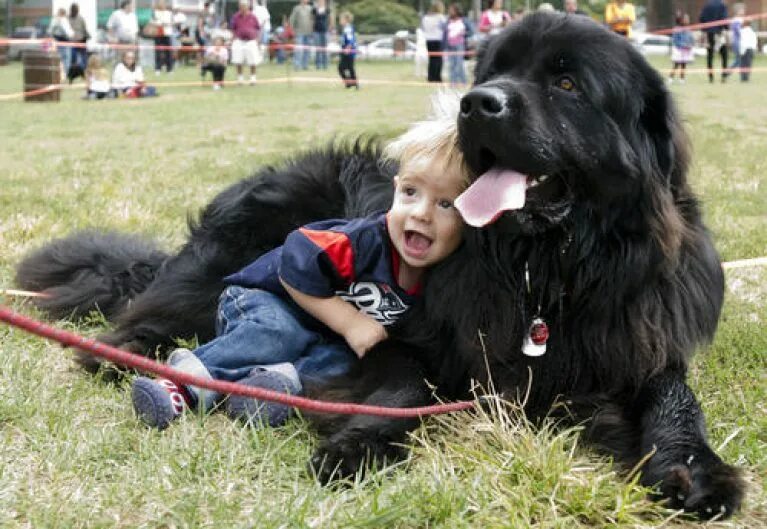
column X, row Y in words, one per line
column 539, row 332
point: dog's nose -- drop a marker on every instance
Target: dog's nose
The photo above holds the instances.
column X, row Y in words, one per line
column 483, row 102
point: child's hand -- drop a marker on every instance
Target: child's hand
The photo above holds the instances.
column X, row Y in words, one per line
column 364, row 334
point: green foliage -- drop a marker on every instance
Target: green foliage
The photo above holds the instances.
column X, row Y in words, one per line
column 382, row 16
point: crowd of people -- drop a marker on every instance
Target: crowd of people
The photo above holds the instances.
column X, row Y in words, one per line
column 447, row 35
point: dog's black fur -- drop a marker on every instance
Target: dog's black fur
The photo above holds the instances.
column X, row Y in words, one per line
column 621, row 266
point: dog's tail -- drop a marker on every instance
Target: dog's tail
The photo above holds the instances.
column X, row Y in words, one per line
column 89, row 270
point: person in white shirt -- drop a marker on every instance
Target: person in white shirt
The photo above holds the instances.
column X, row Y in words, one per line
column 61, row 31
column 123, row 24
column 128, row 78
column 748, row 44
column 264, row 20
column 433, row 26
column 163, row 54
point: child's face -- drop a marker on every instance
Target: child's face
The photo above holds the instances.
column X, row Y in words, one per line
column 423, row 224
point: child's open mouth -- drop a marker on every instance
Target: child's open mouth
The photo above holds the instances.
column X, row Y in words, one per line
column 416, row 244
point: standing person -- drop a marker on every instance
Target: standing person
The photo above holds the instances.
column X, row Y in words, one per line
column 163, row 54
column 682, row 43
column 321, row 15
column 265, row 22
column 494, row 19
column 307, row 310
column 571, row 8
column 433, row 26
column 214, row 61
column 245, row 48
column 620, row 16
column 348, row 51
column 61, row 32
column 714, row 11
column 123, row 26
column 457, row 30
column 180, row 37
column 79, row 55
column 735, row 26
column 748, row 44
column 302, row 22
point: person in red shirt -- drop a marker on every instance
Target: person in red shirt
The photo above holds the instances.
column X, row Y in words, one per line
column 247, row 32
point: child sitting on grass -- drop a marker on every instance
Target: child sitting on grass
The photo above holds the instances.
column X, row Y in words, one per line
column 97, row 79
column 307, row 310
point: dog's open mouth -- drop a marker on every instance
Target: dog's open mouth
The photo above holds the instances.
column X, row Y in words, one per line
column 496, row 191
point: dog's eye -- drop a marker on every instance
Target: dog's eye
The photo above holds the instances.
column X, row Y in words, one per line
column 565, row 83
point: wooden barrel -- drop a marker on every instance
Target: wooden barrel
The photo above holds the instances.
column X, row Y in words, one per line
column 41, row 69
column 3, row 54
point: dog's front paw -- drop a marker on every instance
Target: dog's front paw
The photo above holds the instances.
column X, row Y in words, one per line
column 708, row 489
column 340, row 458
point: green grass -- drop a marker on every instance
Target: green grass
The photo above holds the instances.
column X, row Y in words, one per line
column 74, row 455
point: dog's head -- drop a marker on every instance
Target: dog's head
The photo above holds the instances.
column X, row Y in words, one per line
column 565, row 114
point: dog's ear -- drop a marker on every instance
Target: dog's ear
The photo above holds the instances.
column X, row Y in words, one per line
column 666, row 137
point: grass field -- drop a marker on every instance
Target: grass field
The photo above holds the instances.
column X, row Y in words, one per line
column 74, row 455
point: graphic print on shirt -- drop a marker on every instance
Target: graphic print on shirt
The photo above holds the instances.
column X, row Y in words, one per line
column 376, row 300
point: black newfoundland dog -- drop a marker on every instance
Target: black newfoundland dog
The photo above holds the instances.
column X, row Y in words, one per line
column 608, row 252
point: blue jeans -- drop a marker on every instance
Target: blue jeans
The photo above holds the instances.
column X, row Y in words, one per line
column 301, row 55
column 256, row 328
column 321, row 54
column 79, row 56
column 455, row 64
column 65, row 53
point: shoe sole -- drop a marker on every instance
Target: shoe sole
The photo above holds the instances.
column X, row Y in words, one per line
column 151, row 403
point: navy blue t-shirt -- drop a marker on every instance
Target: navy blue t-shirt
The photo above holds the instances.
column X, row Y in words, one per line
column 352, row 259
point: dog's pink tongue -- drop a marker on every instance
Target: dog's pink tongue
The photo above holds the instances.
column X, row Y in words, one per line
column 493, row 193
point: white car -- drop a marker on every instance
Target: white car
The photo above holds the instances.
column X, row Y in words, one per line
column 384, row 49
column 652, row 44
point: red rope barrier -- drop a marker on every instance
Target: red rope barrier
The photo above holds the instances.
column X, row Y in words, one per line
column 142, row 363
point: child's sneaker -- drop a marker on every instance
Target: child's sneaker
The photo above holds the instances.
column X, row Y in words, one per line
column 158, row 402
column 278, row 377
column 252, row 80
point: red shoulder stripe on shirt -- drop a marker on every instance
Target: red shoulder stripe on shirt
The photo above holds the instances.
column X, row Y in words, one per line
column 337, row 247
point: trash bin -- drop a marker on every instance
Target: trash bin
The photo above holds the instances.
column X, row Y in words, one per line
column 41, row 69
column 4, row 54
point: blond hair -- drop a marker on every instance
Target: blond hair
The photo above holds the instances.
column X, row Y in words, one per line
column 433, row 140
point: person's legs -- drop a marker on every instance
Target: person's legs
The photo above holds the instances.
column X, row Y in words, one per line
column 64, row 55
column 325, row 360
column 723, row 53
column 238, row 57
column 682, row 70
column 321, row 54
column 453, row 63
column 432, row 75
column 254, row 328
column 745, row 65
column 308, row 42
column 298, row 52
column 343, row 68
column 710, row 40
column 461, row 65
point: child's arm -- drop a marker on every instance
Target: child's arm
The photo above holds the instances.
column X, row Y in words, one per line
column 359, row 331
